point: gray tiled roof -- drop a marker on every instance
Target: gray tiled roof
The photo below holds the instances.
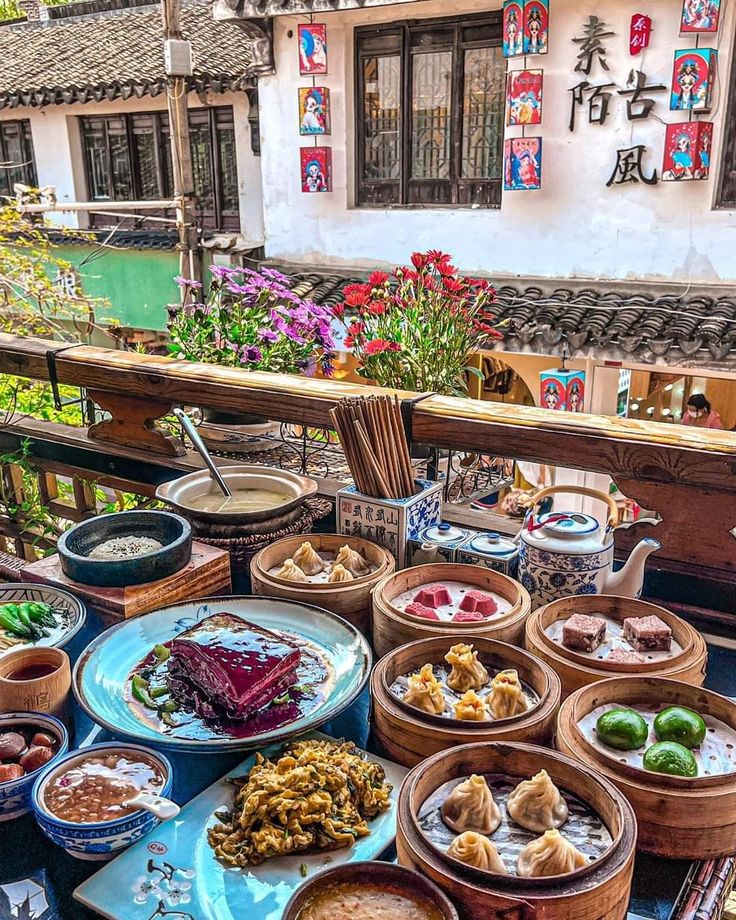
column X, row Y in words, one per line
column 693, row 331
column 117, row 53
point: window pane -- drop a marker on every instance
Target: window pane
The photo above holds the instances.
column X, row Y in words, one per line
column 483, row 113
column 122, row 184
column 166, row 163
column 144, row 138
column 94, row 147
column 430, row 115
column 201, row 144
column 381, row 116
column 228, row 168
column 13, row 155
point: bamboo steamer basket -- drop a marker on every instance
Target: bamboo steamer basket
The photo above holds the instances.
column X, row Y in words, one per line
column 408, row 735
column 679, row 817
column 349, row 599
column 392, row 627
column 577, row 670
column 601, row 892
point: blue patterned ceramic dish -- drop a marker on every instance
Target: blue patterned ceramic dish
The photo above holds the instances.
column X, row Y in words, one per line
column 102, row 839
column 101, row 678
column 174, row 871
column 15, row 796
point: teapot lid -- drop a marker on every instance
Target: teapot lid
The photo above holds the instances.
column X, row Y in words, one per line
column 572, row 525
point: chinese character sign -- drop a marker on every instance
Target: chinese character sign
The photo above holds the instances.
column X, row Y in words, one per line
column 592, row 51
column 524, row 97
column 693, row 76
column 640, row 33
column 687, row 151
column 522, row 164
column 700, row 16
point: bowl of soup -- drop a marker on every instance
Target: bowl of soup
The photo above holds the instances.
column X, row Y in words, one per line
column 81, row 801
column 29, row 741
column 262, row 498
column 369, row 891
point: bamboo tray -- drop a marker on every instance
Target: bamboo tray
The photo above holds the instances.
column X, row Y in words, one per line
column 350, row 600
column 392, row 627
column 679, row 817
column 601, row 892
column 577, row 670
column 408, row 735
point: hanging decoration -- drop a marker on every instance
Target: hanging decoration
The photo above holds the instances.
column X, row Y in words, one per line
column 693, row 78
column 687, row 151
column 522, row 164
column 640, row 33
column 312, row 49
column 700, row 16
column 314, row 110
column 513, row 28
column 316, row 165
column 524, row 97
column 562, row 389
column 536, row 26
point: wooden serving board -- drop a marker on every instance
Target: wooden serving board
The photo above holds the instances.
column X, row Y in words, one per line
column 207, row 573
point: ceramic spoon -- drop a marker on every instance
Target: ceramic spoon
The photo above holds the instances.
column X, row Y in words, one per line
column 202, row 451
column 162, row 808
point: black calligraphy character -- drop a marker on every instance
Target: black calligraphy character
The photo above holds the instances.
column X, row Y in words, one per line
column 598, row 102
column 630, row 168
column 637, row 84
column 591, row 45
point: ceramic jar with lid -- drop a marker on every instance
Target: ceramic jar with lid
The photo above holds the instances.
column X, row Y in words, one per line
column 438, row 543
column 492, row 550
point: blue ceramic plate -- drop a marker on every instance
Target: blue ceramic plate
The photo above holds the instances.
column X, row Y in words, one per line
column 102, row 675
column 72, row 612
column 174, row 869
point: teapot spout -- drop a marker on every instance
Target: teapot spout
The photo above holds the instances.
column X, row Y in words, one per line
column 629, row 581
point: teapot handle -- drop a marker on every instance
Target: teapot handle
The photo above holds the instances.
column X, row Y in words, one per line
column 613, row 518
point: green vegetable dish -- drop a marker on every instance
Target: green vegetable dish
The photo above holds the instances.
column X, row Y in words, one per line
column 28, row 622
column 622, row 729
column 670, row 757
column 680, row 725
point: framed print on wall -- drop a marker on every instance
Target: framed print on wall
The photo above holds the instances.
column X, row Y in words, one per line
column 693, row 76
column 522, row 164
column 314, row 110
column 524, row 97
column 700, row 16
column 312, row 49
column 316, row 169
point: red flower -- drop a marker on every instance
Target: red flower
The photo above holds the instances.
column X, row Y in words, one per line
column 376, row 279
column 378, row 346
column 408, row 275
column 357, row 296
column 453, row 285
column 418, row 260
column 349, row 341
column 428, row 283
column 338, row 310
column 437, row 257
column 376, row 308
column 445, row 268
column 355, row 328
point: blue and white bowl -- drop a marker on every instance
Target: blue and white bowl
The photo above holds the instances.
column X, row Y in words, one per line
column 15, row 795
column 98, row 840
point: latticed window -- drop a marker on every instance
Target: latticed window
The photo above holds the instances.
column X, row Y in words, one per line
column 16, row 156
column 430, row 109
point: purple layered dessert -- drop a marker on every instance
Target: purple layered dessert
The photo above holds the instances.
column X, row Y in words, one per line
column 228, row 666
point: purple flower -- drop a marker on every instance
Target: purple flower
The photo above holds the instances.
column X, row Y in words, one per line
column 268, row 335
column 224, row 271
column 187, row 282
column 251, row 354
column 274, row 275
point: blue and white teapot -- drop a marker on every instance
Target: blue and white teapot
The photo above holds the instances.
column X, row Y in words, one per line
column 563, row 553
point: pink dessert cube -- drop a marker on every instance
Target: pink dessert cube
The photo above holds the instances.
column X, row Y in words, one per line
column 583, row 632
column 468, row 616
column 479, row 602
column 648, row 634
column 435, row 595
column 624, row 656
column 420, row 610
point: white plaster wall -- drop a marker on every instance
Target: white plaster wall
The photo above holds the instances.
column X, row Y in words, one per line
column 59, row 158
column 573, row 227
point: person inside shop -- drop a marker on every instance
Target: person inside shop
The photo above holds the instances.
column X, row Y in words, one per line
column 700, row 413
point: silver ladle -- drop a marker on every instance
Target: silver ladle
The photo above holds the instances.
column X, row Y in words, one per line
column 198, row 443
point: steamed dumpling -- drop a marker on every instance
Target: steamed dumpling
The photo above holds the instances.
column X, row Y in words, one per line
column 353, row 561
column 308, row 559
column 425, row 691
column 467, row 672
column 506, row 698
column 550, row 854
column 290, row 571
column 470, row 807
column 471, row 708
column 340, row 573
column 476, row 850
column 537, row 805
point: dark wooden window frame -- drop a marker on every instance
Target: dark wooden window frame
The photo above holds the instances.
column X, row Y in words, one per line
column 27, row 165
column 726, row 193
column 213, row 215
column 488, row 191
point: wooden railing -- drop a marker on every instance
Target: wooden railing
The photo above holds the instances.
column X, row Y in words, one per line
column 687, row 475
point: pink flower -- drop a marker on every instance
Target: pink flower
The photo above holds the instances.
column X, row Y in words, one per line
column 379, row 346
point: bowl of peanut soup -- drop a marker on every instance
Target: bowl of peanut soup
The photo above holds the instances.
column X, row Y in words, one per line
column 80, row 801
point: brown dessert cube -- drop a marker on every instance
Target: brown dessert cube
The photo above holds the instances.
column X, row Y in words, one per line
column 624, row 656
column 647, row 634
column 583, row 633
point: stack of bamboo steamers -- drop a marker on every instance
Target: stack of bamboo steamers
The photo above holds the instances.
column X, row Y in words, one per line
column 372, row 435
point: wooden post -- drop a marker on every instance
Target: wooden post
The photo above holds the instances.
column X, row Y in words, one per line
column 190, row 263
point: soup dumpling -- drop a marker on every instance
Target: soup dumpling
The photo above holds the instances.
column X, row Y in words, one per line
column 550, row 854
column 425, row 691
column 352, row 561
column 471, row 807
column 471, row 708
column 478, row 851
column 506, row 698
column 537, row 805
column 467, row 672
column 290, row 571
column 340, row 573
column 308, row 559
